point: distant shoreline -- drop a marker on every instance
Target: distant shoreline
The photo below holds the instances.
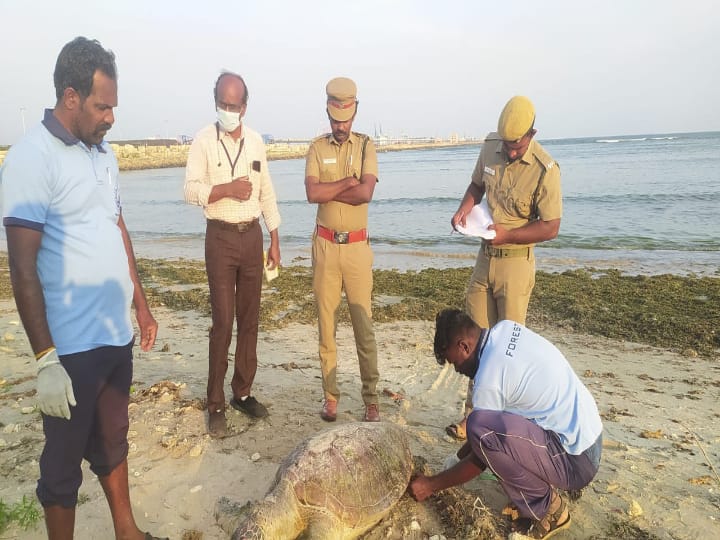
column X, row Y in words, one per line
column 133, row 157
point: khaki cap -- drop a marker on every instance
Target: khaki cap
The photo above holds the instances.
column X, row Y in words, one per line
column 341, row 99
column 516, row 118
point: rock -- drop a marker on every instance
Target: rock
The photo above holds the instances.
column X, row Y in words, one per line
column 196, row 450
column 169, row 441
column 635, row 509
column 255, row 456
column 195, row 489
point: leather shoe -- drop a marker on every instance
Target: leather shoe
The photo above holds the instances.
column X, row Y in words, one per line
column 329, row 410
column 250, row 406
column 217, row 426
column 372, row 413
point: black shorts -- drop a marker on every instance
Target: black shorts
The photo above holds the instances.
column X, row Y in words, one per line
column 97, row 429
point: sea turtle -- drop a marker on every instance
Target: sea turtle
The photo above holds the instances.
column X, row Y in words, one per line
column 334, row 485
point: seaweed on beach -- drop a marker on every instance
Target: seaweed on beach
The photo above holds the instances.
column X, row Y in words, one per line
column 681, row 313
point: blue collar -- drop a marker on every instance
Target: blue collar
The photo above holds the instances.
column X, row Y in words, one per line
column 56, row 129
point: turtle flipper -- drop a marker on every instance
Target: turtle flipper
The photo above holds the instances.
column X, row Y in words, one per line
column 327, row 527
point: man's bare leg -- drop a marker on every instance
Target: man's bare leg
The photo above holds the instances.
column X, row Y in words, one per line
column 60, row 522
column 117, row 494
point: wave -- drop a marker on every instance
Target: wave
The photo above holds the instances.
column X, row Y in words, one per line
column 706, row 198
column 633, row 139
column 455, row 200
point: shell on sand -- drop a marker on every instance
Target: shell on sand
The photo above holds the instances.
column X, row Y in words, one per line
column 334, row 485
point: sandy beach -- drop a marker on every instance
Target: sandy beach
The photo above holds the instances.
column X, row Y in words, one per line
column 658, row 477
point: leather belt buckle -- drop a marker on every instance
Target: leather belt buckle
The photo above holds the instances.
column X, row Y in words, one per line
column 341, row 237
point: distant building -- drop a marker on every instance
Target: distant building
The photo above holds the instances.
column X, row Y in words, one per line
column 267, row 138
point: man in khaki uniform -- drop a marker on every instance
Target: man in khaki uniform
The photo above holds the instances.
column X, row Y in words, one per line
column 521, row 183
column 340, row 176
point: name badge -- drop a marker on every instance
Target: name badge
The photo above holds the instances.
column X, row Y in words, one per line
column 490, row 171
column 330, row 161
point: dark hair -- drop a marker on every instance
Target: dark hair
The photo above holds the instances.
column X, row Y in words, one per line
column 448, row 323
column 77, row 63
column 230, row 74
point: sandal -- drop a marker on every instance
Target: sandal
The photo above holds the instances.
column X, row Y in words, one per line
column 511, row 511
column 551, row 524
column 457, row 431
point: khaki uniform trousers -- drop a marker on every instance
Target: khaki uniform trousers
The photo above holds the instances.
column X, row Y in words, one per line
column 338, row 267
column 499, row 289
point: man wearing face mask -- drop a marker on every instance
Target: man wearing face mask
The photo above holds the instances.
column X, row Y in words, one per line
column 340, row 177
column 227, row 174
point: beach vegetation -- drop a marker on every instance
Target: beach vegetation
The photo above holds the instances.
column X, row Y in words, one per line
column 681, row 313
column 25, row 513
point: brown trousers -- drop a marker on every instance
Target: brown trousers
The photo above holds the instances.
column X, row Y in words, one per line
column 234, row 265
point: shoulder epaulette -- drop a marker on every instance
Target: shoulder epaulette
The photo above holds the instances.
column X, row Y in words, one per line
column 543, row 157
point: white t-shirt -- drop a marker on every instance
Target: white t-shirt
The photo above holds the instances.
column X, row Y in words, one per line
column 522, row 373
column 55, row 184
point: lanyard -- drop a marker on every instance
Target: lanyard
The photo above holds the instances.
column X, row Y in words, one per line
column 230, row 160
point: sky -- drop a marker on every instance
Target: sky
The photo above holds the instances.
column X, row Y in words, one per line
column 422, row 67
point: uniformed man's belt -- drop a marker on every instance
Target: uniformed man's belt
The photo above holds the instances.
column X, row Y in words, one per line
column 505, row 252
column 243, row 226
column 338, row 237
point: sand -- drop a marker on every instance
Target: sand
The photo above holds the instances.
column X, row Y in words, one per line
column 658, row 477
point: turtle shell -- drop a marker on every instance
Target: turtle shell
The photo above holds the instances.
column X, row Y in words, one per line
column 355, row 472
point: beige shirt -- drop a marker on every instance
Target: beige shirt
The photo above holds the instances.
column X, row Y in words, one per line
column 208, row 165
column 522, row 191
column 329, row 161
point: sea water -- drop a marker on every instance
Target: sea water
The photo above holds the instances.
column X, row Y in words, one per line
column 642, row 204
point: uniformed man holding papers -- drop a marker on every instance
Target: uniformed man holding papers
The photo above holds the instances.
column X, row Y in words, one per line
column 521, row 183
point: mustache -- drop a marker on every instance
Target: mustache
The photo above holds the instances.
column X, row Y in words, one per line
column 104, row 127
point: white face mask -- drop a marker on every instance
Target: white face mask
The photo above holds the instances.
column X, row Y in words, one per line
column 229, row 121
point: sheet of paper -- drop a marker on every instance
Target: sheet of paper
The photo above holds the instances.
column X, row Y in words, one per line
column 269, row 274
column 477, row 222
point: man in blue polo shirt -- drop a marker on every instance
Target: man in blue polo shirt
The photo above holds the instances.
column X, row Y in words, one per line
column 533, row 423
column 74, row 279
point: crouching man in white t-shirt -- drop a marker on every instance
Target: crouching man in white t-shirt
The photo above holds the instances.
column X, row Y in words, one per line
column 534, row 423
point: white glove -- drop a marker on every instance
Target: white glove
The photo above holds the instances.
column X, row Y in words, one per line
column 54, row 386
column 450, row 461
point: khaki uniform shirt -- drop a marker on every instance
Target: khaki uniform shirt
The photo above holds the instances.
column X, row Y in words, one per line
column 208, row 166
column 525, row 190
column 330, row 161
